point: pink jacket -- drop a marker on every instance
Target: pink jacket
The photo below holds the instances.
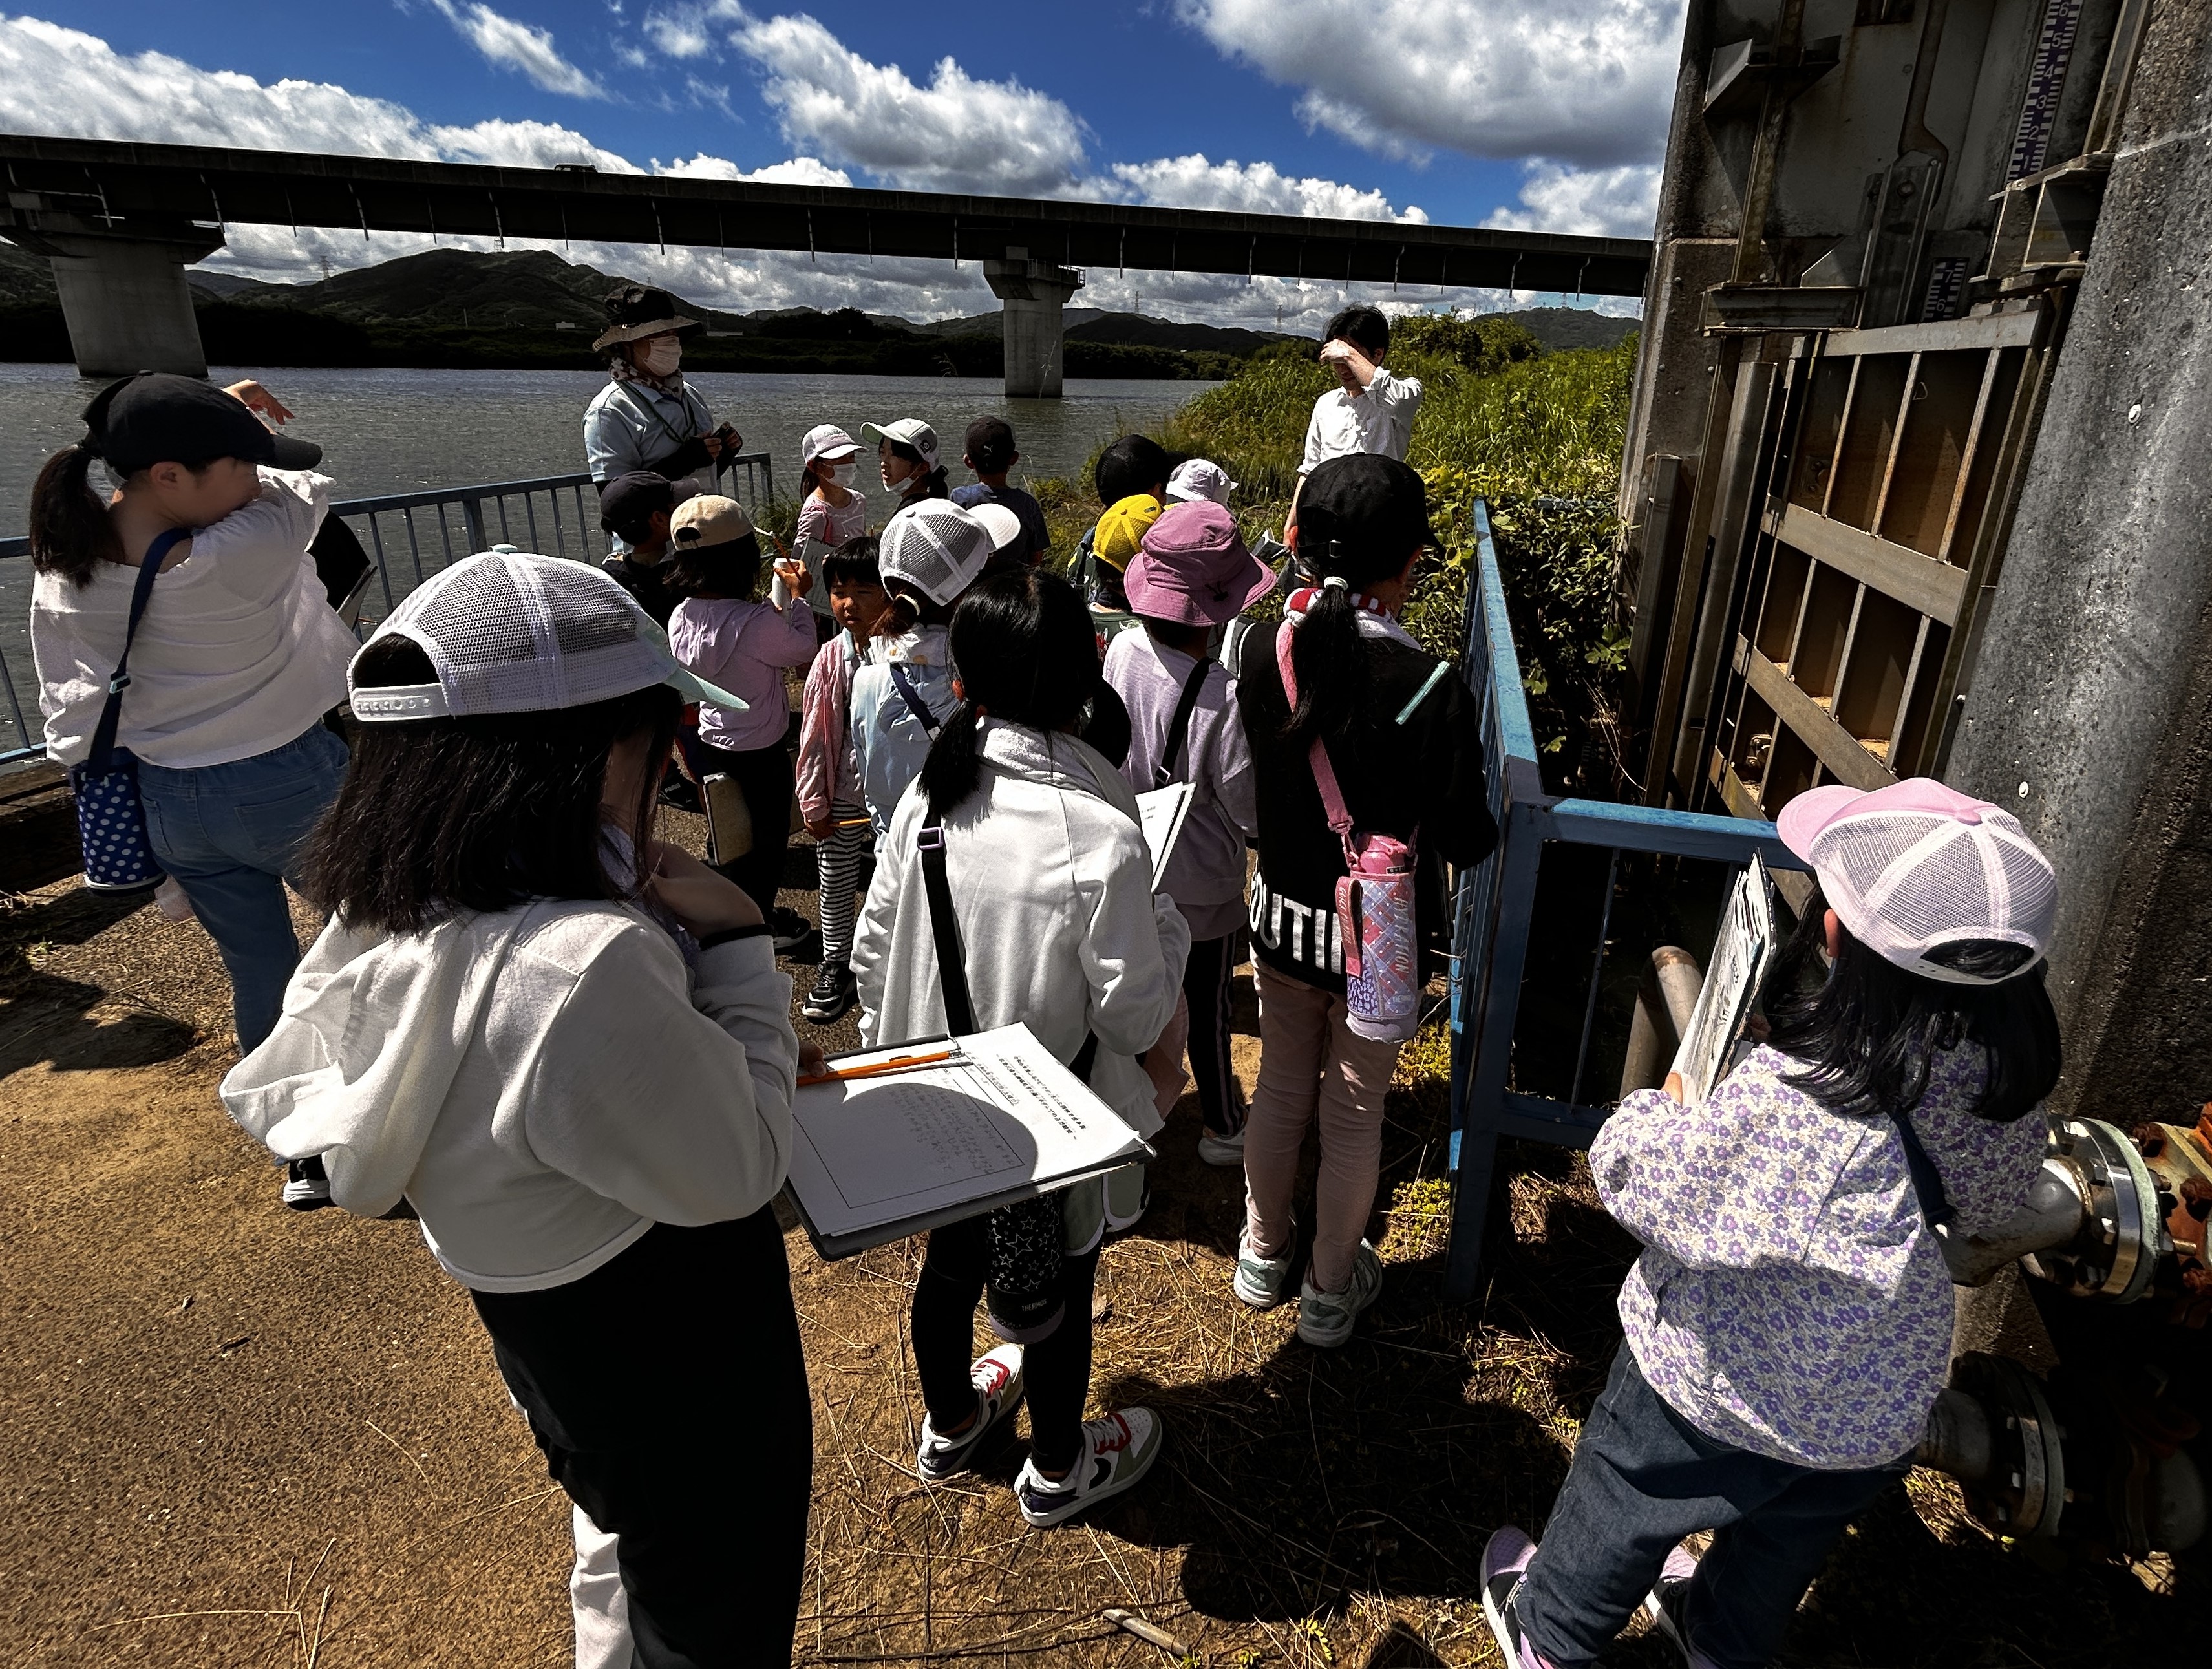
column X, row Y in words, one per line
column 825, row 763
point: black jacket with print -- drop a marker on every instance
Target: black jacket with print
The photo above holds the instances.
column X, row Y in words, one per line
column 1421, row 782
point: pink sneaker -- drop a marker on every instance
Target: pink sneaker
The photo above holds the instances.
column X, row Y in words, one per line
column 1663, row 1605
column 1505, row 1558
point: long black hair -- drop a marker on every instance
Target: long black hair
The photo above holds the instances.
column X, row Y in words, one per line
column 1866, row 1036
column 438, row 815
column 70, row 533
column 1325, row 651
column 929, row 485
column 1025, row 652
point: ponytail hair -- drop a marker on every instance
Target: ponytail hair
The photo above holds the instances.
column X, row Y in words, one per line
column 70, row 532
column 909, row 609
column 1024, row 652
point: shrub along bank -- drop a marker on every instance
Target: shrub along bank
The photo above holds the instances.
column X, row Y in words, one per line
column 1538, row 434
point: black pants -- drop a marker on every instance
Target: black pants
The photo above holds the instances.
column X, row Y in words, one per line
column 668, row 1390
column 1205, row 988
column 1642, row 1478
column 764, row 776
column 1057, row 1368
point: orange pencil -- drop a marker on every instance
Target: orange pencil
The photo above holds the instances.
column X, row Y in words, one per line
column 876, row 1068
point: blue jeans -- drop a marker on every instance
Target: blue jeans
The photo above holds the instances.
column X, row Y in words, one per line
column 231, row 835
column 1642, row 1478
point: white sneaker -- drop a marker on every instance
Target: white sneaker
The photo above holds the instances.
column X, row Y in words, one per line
column 1326, row 1319
column 1118, row 1451
column 997, row 1377
column 1223, row 1150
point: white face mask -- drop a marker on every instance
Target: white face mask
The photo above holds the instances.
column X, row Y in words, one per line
column 662, row 357
column 842, row 474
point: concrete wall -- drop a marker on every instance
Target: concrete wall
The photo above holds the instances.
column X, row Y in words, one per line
column 2091, row 707
column 128, row 308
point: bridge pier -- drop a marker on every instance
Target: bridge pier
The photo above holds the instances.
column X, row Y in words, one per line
column 123, row 293
column 1032, row 294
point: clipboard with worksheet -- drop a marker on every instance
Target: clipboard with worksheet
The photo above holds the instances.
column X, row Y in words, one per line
column 892, row 1141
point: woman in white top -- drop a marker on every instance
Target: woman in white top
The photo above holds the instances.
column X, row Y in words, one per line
column 237, row 659
column 577, row 1068
column 647, row 416
column 1051, row 887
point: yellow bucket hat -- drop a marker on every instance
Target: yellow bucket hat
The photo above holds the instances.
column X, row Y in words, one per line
column 1122, row 530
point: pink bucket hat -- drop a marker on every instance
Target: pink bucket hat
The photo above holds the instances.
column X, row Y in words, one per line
column 1916, row 866
column 1193, row 569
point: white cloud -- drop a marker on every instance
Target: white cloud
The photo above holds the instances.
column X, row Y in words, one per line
column 688, row 31
column 956, row 134
column 1611, row 203
column 1252, row 188
column 1587, row 81
column 62, row 82
column 511, row 45
column 798, row 171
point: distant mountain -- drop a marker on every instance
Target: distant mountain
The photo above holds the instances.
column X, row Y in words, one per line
column 1571, row 327
column 26, row 280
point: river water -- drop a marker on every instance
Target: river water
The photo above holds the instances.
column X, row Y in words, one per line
column 388, row 431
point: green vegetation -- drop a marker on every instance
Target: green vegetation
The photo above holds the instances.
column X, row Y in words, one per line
column 1538, row 435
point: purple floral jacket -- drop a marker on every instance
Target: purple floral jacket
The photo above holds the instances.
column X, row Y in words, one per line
column 1790, row 1301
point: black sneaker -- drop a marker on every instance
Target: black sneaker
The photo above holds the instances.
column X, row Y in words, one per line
column 834, row 994
column 795, row 936
column 305, row 1187
column 1504, row 1562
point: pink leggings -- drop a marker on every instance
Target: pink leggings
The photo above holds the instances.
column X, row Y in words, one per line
column 1308, row 1058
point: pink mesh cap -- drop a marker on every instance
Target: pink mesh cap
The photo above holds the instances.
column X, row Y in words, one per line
column 507, row 632
column 1916, row 866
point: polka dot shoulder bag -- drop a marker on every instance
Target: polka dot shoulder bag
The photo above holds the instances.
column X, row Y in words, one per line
column 110, row 820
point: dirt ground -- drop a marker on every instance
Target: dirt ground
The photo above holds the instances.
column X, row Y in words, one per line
column 231, row 1435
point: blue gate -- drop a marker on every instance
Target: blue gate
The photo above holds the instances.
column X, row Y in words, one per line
column 1493, row 904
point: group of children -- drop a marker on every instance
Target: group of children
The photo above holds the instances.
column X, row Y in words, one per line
column 566, row 1046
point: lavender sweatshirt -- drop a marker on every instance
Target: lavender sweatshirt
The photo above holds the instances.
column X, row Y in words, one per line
column 1205, row 876
column 1790, row 1301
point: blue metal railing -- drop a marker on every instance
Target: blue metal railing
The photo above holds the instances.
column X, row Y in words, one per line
column 412, row 536
column 1495, row 903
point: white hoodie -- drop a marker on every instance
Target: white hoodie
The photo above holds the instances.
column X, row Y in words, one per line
column 543, row 1084
column 1053, row 885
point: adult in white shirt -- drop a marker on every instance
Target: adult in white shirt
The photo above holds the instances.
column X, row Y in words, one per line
column 236, row 660
column 577, row 1067
column 1369, row 411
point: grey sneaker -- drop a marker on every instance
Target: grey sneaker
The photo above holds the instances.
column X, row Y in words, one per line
column 1327, row 1319
column 1227, row 1151
column 1259, row 1281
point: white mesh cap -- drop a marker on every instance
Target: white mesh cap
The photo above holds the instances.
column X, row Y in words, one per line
column 1916, row 865
column 936, row 547
column 508, row 631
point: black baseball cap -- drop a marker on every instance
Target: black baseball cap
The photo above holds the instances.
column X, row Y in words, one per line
column 627, row 501
column 1365, row 504
column 158, row 417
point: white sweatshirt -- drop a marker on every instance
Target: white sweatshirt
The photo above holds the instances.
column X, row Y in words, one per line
column 543, row 1083
column 239, row 651
column 1053, row 886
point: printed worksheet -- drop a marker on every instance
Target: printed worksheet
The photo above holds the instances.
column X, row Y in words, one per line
column 1742, row 952
column 972, row 1123
column 1160, row 813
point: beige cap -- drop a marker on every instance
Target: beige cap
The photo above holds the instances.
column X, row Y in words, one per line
column 708, row 520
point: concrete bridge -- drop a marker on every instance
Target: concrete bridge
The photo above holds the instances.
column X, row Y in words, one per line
column 121, row 221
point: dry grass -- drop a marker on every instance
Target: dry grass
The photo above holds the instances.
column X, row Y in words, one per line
column 1309, row 1509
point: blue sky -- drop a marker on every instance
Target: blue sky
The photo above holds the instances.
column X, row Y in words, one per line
column 1371, row 107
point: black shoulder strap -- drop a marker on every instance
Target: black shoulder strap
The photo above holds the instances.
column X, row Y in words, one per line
column 1179, row 727
column 904, row 684
column 952, row 961
column 1936, row 1208
column 103, row 735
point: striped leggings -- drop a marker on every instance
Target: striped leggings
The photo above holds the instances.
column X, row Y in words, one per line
column 837, row 862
